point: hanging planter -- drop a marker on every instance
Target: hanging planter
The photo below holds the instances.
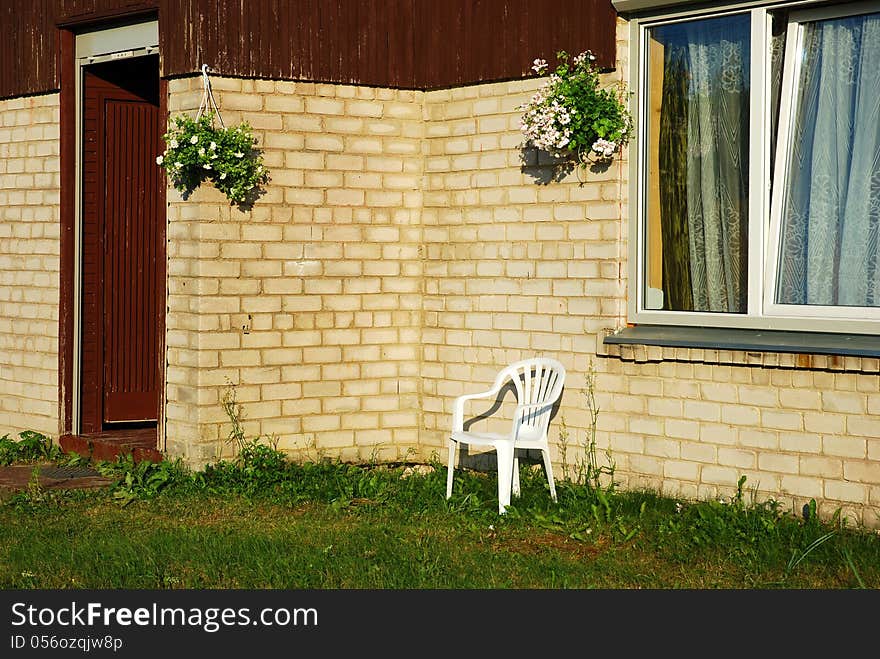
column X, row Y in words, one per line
column 198, row 151
column 572, row 117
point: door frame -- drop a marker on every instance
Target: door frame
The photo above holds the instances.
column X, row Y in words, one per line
column 79, row 48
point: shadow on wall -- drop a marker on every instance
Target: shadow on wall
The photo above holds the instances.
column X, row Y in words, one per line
column 545, row 168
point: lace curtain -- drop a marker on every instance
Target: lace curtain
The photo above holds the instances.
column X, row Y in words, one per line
column 829, row 250
column 704, row 165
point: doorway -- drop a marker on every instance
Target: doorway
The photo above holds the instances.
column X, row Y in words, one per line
column 122, row 287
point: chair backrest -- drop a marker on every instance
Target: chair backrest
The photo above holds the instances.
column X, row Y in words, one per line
column 538, row 381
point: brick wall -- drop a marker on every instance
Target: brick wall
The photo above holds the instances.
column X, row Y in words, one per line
column 310, row 304
column 29, row 262
column 523, row 257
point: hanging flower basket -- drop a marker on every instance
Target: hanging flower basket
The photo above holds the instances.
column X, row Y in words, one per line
column 198, row 150
column 571, row 116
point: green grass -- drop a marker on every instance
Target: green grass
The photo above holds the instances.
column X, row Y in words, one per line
column 263, row 522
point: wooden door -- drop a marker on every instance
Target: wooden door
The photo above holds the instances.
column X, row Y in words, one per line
column 123, row 287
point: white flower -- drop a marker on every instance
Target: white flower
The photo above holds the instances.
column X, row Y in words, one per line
column 539, row 66
column 194, row 139
column 222, row 176
column 174, row 144
column 207, row 165
column 201, row 150
column 238, row 154
column 605, row 148
column 159, row 160
column 178, row 165
column 213, row 146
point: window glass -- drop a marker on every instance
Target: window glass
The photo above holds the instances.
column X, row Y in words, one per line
column 696, row 177
column 831, row 204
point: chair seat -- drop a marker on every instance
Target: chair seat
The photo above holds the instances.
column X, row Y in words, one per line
column 528, row 438
column 479, row 438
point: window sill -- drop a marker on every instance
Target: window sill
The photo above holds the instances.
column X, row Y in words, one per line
column 856, row 353
column 715, row 338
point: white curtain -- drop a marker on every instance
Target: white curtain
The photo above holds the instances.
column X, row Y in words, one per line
column 704, row 164
column 829, row 252
column 717, row 163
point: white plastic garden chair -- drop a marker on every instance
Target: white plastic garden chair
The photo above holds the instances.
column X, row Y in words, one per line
column 538, row 383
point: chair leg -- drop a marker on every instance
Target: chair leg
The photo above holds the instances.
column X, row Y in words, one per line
column 549, row 469
column 453, row 449
column 505, row 475
column 515, row 486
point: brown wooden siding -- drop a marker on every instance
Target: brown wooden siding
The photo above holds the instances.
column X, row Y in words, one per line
column 415, row 44
column 27, row 47
column 29, row 37
column 419, row 44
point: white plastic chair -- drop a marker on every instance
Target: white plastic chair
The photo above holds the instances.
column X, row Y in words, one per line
column 538, row 383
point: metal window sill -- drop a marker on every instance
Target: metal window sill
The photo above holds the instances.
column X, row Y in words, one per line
column 816, row 343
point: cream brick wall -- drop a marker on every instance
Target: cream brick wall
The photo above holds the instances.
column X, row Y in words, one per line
column 310, row 303
column 523, row 258
column 29, row 264
column 798, row 427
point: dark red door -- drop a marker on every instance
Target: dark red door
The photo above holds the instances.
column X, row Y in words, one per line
column 122, row 283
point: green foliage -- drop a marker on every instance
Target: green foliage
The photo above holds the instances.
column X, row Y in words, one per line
column 235, row 412
column 248, row 450
column 589, row 471
column 199, row 151
column 29, row 447
column 143, row 479
column 333, row 524
column 329, row 523
column 572, row 115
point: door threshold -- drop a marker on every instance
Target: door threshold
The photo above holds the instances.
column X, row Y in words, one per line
column 108, row 445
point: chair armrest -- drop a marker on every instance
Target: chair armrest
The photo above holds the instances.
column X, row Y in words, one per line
column 458, row 407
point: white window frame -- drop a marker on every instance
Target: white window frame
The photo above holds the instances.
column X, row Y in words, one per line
column 764, row 212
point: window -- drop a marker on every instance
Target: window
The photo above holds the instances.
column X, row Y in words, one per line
column 759, row 168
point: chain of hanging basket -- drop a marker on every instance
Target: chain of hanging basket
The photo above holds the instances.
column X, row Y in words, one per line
column 208, row 101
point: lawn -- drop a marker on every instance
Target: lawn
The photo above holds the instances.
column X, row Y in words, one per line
column 262, row 522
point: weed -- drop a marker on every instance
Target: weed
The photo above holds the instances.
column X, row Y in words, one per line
column 34, row 495
column 243, row 447
column 30, row 447
column 143, row 479
column 591, row 471
column 588, row 472
column 798, row 556
column 235, row 412
column 847, row 554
